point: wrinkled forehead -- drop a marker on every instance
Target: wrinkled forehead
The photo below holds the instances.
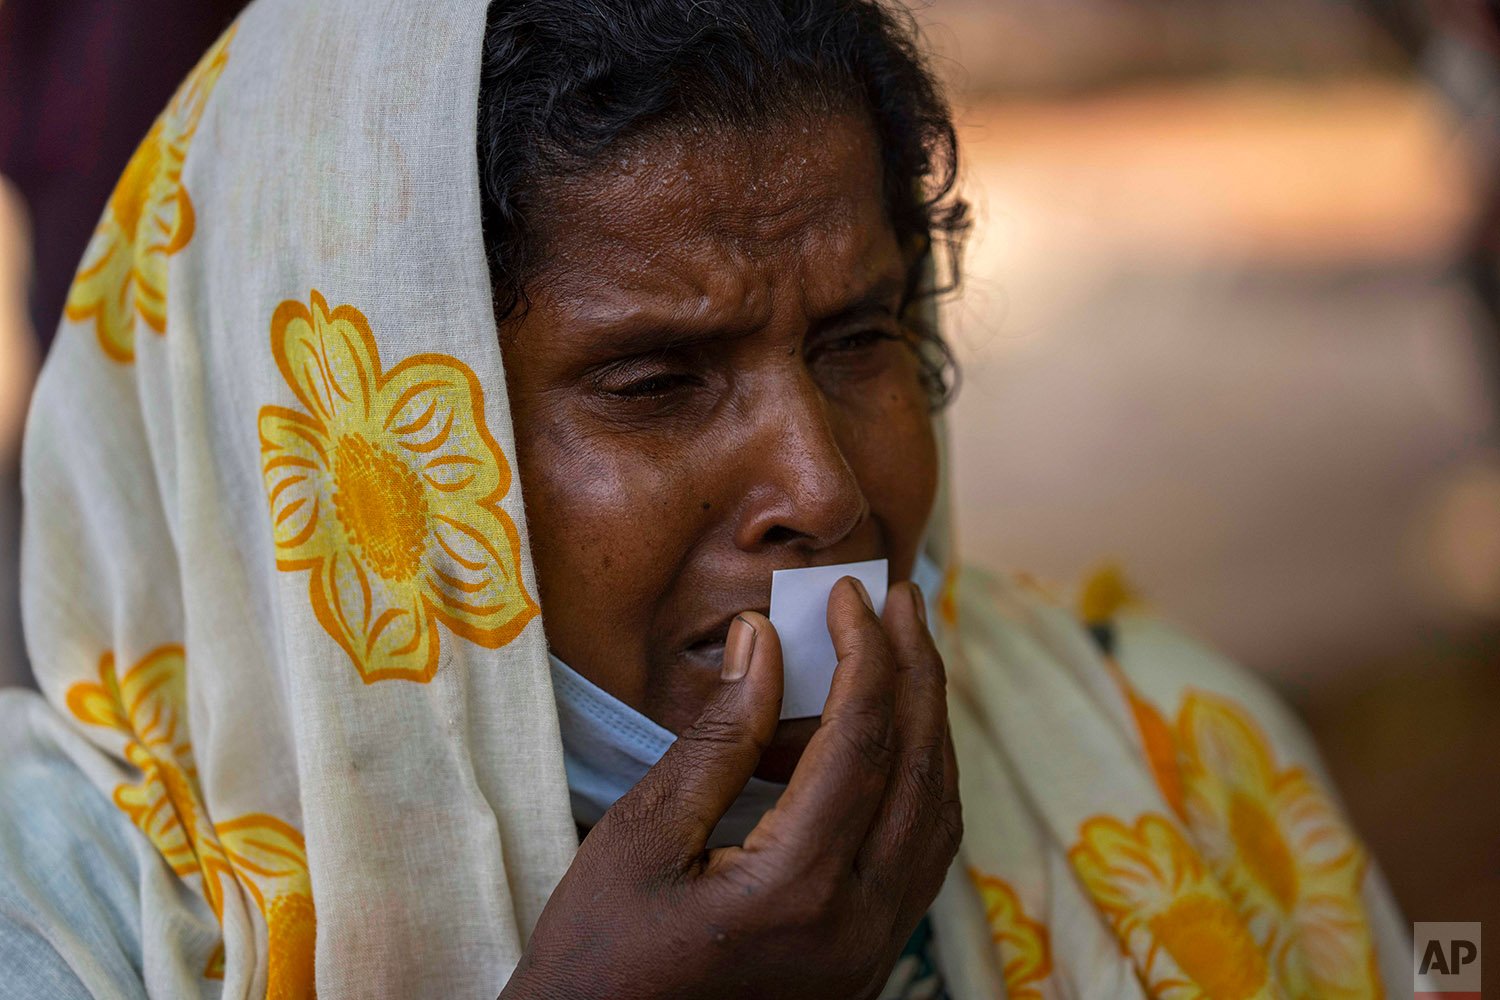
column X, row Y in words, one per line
column 684, row 214
column 750, row 182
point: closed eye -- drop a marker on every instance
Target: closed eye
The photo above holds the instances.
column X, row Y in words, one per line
column 858, row 340
column 652, row 386
column 854, row 346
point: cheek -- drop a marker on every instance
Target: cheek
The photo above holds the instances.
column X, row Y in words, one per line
column 606, row 528
column 893, row 452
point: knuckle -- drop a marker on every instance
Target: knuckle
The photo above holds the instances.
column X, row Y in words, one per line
column 866, row 745
column 916, row 650
column 815, row 903
column 951, row 825
column 716, row 729
column 747, row 884
column 932, row 680
column 923, row 774
column 633, row 818
column 633, row 809
column 939, row 668
column 926, row 692
column 626, row 841
column 931, row 659
column 871, row 640
column 869, row 649
column 879, row 881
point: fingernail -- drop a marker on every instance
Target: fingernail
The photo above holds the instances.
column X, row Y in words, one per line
column 864, row 595
column 920, row 602
column 738, row 647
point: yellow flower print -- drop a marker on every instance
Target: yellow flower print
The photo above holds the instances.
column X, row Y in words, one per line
column 147, row 705
column 1025, row 953
column 270, row 860
column 1157, row 740
column 1171, row 917
column 149, row 217
column 948, row 597
column 1278, row 846
column 386, row 487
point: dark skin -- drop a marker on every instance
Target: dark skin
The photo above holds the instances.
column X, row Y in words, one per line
column 713, row 381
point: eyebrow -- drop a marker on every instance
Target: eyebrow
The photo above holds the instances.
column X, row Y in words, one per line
column 648, row 331
column 880, row 297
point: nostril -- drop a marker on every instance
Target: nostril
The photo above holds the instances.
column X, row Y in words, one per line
column 779, row 533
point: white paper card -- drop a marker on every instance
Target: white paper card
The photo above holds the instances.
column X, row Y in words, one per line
column 799, row 610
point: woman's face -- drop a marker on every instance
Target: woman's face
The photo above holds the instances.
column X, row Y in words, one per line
column 712, row 383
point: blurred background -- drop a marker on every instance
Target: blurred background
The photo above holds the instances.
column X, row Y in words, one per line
column 1231, row 319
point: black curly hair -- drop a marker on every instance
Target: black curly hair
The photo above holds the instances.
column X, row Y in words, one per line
column 564, row 81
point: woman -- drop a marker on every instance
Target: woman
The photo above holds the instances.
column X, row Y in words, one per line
column 301, row 723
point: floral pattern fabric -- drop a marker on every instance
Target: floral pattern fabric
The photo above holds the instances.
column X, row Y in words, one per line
column 385, row 487
column 1226, row 872
column 254, row 509
column 1275, row 841
column 1172, row 918
column 1023, row 944
column 146, row 708
column 1264, row 882
column 150, row 217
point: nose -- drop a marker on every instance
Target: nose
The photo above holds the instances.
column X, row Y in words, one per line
column 802, row 492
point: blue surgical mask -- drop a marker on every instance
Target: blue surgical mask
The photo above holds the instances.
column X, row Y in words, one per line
column 609, row 746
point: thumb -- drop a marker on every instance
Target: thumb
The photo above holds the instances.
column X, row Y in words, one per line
column 687, row 792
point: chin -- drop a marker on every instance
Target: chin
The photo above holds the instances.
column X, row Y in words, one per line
column 781, row 757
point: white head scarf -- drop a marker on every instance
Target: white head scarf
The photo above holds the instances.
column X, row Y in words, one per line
column 286, row 310
column 279, row 594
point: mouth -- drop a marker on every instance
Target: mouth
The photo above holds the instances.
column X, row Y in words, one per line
column 707, row 648
column 779, row 759
column 708, row 655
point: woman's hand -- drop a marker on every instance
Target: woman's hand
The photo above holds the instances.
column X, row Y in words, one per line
column 826, row 889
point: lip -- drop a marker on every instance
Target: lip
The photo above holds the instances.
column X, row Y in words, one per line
column 708, row 655
column 710, row 641
column 705, row 644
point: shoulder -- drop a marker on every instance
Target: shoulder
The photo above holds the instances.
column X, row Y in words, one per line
column 69, row 871
column 1186, row 679
column 1101, row 621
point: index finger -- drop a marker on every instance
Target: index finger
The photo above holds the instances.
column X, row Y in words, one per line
column 840, row 780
